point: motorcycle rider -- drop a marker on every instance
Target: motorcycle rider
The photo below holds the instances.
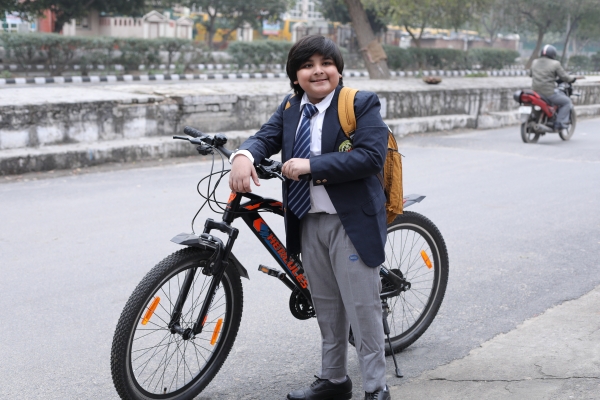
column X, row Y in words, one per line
column 544, row 72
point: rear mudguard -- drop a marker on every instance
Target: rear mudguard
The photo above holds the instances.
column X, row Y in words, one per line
column 412, row 199
column 189, row 239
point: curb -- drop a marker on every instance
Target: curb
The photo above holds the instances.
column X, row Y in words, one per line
column 220, row 76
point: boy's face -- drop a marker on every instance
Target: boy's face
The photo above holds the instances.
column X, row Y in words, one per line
column 318, row 76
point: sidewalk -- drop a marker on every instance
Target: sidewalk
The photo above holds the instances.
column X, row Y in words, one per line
column 555, row 355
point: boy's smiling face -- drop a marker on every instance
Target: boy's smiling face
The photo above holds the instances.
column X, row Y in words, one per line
column 318, row 76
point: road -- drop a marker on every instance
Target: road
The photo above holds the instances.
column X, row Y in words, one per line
column 521, row 223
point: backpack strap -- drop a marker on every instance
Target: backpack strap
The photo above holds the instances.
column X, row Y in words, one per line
column 346, row 110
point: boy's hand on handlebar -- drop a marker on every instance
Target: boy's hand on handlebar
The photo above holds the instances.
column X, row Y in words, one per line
column 295, row 167
column 242, row 171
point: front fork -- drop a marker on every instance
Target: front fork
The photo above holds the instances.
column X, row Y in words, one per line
column 216, row 267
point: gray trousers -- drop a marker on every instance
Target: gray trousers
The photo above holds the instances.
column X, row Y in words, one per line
column 564, row 106
column 345, row 292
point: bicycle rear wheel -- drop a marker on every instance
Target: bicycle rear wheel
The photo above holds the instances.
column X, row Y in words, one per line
column 415, row 250
column 148, row 361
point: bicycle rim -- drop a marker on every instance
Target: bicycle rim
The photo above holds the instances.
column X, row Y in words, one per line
column 164, row 365
column 415, row 250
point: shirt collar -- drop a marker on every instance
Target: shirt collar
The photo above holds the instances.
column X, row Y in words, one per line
column 321, row 106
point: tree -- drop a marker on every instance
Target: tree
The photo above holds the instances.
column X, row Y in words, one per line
column 66, row 10
column 542, row 16
column 235, row 13
column 578, row 10
column 371, row 50
column 494, row 17
column 24, row 9
column 415, row 16
column 588, row 30
column 336, row 10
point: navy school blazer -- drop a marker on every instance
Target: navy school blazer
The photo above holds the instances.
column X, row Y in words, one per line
column 350, row 177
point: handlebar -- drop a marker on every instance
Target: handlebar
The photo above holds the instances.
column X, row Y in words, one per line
column 266, row 169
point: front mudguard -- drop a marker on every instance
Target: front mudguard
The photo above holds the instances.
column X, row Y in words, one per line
column 189, row 239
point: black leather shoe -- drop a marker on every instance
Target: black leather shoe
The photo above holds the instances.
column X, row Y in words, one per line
column 383, row 394
column 323, row 389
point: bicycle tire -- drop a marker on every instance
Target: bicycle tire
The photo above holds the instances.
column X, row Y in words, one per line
column 131, row 353
column 413, row 311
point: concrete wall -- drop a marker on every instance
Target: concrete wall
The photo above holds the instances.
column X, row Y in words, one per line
column 94, row 121
column 48, row 124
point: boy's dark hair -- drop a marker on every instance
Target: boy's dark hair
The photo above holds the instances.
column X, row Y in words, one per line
column 304, row 49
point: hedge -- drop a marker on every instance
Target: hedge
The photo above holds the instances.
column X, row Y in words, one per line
column 258, row 52
column 493, row 58
column 425, row 58
column 58, row 52
column 579, row 63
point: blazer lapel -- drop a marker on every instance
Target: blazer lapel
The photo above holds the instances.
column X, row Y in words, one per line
column 291, row 118
column 331, row 125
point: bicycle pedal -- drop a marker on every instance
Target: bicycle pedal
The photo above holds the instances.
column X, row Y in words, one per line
column 269, row 271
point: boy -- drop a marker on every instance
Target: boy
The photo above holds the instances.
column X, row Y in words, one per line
column 338, row 219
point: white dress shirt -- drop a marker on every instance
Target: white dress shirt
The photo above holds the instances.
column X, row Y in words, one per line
column 319, row 199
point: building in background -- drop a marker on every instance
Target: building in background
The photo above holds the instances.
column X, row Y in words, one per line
column 12, row 22
column 150, row 26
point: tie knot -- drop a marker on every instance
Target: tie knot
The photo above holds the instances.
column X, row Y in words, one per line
column 309, row 110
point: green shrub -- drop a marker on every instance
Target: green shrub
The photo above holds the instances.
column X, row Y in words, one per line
column 135, row 52
column 580, row 63
column 424, row 58
column 195, row 53
column 96, row 51
column 59, row 51
column 259, row 52
column 172, row 46
column 439, row 58
column 490, row 58
column 453, row 59
column 22, row 49
column 398, row 58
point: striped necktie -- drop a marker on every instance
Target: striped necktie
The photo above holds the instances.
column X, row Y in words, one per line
column 299, row 191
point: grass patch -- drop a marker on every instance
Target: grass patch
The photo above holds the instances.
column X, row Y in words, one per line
column 477, row 75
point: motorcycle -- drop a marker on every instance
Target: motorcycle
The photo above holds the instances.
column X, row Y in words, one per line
column 538, row 114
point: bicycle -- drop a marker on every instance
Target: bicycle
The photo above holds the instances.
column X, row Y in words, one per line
column 180, row 323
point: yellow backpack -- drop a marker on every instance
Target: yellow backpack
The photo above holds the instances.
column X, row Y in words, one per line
column 392, row 168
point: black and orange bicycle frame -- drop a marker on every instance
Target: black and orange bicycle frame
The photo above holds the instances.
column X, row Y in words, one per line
column 293, row 276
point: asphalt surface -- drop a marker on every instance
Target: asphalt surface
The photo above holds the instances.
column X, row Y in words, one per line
column 521, row 223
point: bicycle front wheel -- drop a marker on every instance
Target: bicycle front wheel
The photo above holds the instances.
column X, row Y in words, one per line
column 148, row 361
column 415, row 251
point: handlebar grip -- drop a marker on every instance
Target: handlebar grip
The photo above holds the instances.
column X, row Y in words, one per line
column 188, row 130
column 305, row 177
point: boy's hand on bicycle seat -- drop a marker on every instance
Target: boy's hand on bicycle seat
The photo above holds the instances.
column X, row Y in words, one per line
column 295, row 167
column 241, row 172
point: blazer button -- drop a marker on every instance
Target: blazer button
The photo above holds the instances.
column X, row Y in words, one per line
column 324, row 180
column 318, row 182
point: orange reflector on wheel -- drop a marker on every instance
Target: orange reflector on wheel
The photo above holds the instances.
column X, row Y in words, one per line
column 425, row 258
column 216, row 331
column 150, row 310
